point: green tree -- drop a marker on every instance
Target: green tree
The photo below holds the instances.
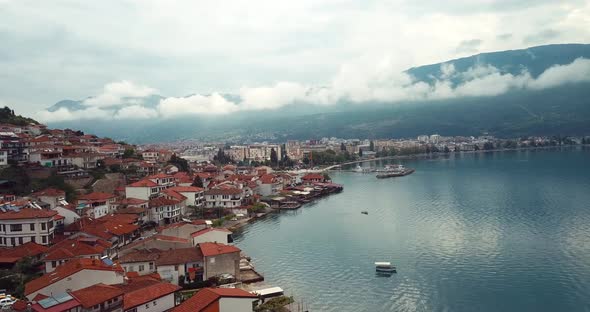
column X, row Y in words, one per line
column 179, row 162
column 129, row 153
column 198, row 182
column 447, row 150
column 360, row 152
column 372, row 146
column 274, row 159
column 342, row 147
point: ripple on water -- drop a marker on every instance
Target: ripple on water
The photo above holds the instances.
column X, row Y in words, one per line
column 485, row 233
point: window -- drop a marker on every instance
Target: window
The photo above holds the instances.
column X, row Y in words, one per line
column 16, row 228
column 43, row 226
column 147, row 306
column 44, row 239
column 155, row 303
column 175, row 268
column 53, row 264
column 212, row 260
column 50, row 223
column 151, row 266
column 12, row 241
column 95, row 307
column 20, row 240
column 141, row 267
column 131, row 268
column 33, row 239
column 32, row 226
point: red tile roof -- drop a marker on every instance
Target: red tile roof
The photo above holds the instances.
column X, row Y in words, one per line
column 214, row 249
column 174, row 194
column 203, row 231
column 27, row 213
column 50, row 192
column 143, row 183
column 29, row 249
column 71, row 267
column 146, row 294
column 162, row 201
column 187, row 189
column 206, row 297
column 74, row 248
column 96, row 196
column 267, row 179
column 96, row 294
column 160, row 176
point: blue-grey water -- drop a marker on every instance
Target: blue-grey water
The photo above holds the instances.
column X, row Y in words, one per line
column 506, row 231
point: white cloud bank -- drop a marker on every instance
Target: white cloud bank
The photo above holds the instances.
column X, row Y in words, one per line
column 115, row 93
column 356, row 84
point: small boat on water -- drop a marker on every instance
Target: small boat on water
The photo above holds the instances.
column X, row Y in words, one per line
column 365, row 212
column 385, row 267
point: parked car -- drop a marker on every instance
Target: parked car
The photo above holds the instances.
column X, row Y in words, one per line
column 7, row 302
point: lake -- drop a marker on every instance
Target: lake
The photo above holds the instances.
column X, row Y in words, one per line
column 504, row 231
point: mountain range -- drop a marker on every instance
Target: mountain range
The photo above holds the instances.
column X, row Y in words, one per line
column 543, row 108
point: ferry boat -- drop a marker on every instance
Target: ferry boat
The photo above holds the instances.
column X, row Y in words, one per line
column 394, row 171
column 385, row 267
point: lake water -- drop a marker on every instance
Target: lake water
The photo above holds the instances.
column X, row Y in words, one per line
column 506, row 231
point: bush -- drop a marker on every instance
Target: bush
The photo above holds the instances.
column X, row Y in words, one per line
column 275, row 304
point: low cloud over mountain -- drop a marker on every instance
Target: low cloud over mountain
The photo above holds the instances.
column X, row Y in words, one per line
column 358, row 83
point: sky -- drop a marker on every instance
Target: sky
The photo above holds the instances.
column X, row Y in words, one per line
column 270, row 53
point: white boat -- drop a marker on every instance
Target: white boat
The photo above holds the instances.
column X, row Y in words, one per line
column 385, row 267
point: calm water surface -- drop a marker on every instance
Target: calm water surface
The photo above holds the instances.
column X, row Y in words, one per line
column 481, row 232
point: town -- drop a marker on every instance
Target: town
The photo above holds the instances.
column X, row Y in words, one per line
column 91, row 224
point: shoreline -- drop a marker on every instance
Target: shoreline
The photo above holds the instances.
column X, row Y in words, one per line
column 439, row 154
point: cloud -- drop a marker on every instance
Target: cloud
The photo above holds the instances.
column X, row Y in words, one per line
column 197, row 104
column 114, row 93
column 543, row 36
column 355, row 83
column 63, row 114
column 469, row 46
column 272, row 97
column 577, row 71
column 135, row 112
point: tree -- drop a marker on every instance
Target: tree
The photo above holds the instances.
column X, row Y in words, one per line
column 179, row 162
column 360, row 152
column 342, row 147
column 327, row 177
column 129, row 152
column 274, row 159
column 476, row 148
column 447, row 150
column 198, row 182
column 488, row 146
column 372, row 146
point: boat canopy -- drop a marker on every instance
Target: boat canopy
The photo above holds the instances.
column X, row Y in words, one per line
column 268, row 291
column 382, row 263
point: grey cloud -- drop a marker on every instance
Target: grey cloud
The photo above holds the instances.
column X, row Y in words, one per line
column 392, row 87
column 469, row 46
column 543, row 36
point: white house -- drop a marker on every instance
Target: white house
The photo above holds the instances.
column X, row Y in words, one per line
column 223, row 197
column 19, row 226
column 211, row 235
column 73, row 275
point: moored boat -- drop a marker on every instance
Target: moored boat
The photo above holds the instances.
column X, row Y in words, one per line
column 385, row 267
